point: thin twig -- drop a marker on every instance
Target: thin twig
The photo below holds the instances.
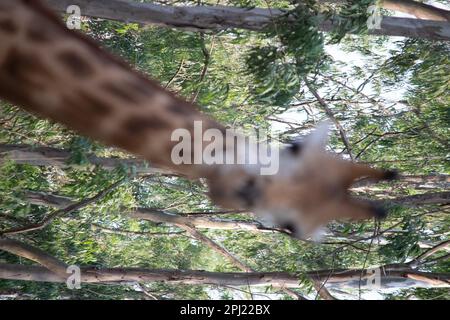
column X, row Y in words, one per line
column 175, row 75
column 419, row 259
column 207, row 60
column 375, row 234
column 64, row 211
column 330, row 115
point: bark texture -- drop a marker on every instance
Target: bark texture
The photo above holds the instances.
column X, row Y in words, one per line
column 417, row 9
column 48, row 156
column 204, row 18
column 391, row 277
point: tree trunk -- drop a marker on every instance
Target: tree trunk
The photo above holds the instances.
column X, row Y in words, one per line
column 440, row 198
column 155, row 215
column 388, row 276
column 47, row 156
column 391, row 277
column 429, row 179
column 205, row 18
column 26, row 251
column 417, row 9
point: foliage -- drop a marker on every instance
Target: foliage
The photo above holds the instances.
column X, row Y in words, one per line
column 350, row 18
column 294, row 48
column 390, row 96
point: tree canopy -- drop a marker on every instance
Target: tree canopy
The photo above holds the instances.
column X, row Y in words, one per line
column 82, row 203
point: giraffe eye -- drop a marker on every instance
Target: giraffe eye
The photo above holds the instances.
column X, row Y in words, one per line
column 294, row 229
column 289, row 226
column 249, row 192
column 295, row 147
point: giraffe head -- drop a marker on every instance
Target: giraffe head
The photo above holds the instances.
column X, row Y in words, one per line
column 309, row 190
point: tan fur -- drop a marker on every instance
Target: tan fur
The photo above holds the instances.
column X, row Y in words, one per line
column 317, row 192
column 62, row 75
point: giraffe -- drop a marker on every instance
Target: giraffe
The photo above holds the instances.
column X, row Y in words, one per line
column 64, row 76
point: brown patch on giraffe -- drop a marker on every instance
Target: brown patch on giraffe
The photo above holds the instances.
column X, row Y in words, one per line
column 19, row 66
column 135, row 85
column 5, row 6
column 36, row 35
column 74, row 116
column 180, row 108
column 94, row 105
column 8, row 26
column 13, row 93
column 220, row 128
column 15, row 63
column 120, row 92
column 138, row 125
column 124, row 140
column 75, row 63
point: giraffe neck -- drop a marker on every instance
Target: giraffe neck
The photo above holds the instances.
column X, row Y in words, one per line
column 62, row 75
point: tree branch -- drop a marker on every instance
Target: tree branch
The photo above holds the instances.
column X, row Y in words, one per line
column 322, row 290
column 341, row 278
column 390, row 274
column 64, row 211
column 419, row 260
column 204, row 18
column 330, row 115
column 48, row 156
column 26, row 251
column 417, row 9
column 207, row 60
column 440, row 198
column 187, row 224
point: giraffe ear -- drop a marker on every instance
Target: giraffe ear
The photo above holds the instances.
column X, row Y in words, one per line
column 318, row 139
